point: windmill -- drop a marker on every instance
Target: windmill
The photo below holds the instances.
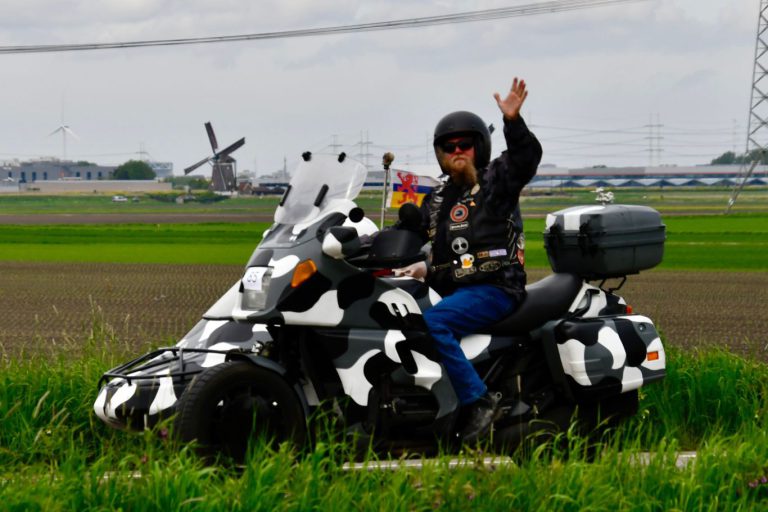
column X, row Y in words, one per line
column 64, row 129
column 224, row 166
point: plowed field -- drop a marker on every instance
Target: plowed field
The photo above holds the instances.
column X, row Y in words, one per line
column 44, row 304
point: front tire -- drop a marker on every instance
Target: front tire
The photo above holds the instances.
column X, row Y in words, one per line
column 228, row 405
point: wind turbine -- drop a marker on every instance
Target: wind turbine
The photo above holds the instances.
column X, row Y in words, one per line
column 64, row 129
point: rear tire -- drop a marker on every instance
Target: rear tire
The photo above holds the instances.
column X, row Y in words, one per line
column 229, row 405
column 594, row 421
column 610, row 411
column 521, row 438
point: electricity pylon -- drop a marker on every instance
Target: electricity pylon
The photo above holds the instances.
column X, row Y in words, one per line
column 757, row 124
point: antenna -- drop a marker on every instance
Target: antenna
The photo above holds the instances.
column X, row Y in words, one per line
column 757, row 122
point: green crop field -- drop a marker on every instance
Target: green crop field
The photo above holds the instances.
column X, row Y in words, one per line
column 97, row 204
column 534, row 202
column 702, row 242
column 135, row 243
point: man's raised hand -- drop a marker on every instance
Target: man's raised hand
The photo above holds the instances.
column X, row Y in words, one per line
column 511, row 105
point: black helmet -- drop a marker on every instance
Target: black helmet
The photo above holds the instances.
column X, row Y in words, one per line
column 463, row 122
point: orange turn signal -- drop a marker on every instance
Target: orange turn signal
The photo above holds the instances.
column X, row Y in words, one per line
column 302, row 272
column 629, row 309
column 652, row 356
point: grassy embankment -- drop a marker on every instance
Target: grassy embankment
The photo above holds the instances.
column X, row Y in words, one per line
column 55, row 455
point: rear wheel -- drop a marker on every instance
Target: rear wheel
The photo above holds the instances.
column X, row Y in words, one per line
column 229, row 405
column 610, row 411
column 595, row 420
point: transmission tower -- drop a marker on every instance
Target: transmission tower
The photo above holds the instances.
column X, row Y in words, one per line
column 757, row 123
column 654, row 140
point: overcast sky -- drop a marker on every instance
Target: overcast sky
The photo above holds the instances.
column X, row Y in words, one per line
column 683, row 64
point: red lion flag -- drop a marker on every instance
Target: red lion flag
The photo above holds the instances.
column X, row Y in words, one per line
column 408, row 187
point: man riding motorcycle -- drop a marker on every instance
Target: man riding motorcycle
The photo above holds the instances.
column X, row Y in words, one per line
column 477, row 244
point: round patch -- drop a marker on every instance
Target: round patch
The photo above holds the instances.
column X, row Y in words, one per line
column 460, row 245
column 459, row 213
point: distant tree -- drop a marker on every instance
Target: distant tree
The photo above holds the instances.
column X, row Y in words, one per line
column 134, row 170
column 729, row 157
column 85, row 163
column 193, row 182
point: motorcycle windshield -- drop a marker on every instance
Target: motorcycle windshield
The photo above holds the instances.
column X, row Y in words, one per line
column 343, row 180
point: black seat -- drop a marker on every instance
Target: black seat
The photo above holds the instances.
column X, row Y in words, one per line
column 546, row 299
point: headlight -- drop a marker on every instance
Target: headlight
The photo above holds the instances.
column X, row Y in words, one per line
column 256, row 287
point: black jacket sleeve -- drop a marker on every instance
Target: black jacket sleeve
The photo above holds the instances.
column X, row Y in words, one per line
column 506, row 175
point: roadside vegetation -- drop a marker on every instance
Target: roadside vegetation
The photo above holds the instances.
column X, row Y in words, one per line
column 55, row 455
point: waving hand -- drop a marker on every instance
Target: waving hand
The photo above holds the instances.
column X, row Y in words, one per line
column 510, row 106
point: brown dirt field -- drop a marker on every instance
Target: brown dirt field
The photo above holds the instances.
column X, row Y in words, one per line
column 43, row 305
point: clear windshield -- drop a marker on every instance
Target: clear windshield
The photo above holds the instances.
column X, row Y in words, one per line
column 344, row 181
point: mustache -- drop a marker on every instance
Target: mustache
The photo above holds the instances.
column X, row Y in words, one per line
column 459, row 167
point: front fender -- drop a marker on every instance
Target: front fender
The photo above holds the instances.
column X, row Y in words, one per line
column 269, row 364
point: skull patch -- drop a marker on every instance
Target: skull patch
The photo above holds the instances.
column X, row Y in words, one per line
column 460, row 245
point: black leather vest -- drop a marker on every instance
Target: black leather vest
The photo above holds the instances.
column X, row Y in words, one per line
column 481, row 244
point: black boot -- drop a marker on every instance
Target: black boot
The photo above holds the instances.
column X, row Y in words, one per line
column 480, row 415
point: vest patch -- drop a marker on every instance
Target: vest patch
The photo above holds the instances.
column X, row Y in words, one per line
column 463, row 272
column 459, row 226
column 459, row 213
column 490, row 266
column 460, row 245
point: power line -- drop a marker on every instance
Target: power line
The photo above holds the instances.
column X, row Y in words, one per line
column 464, row 17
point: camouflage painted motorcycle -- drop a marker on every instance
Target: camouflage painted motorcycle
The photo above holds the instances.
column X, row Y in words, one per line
column 318, row 322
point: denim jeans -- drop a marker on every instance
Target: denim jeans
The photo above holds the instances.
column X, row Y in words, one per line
column 467, row 310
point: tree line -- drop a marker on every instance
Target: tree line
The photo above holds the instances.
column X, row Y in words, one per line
column 730, row 158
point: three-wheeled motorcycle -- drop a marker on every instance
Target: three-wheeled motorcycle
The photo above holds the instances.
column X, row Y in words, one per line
column 318, row 322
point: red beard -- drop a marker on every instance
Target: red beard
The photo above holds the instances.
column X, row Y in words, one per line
column 460, row 168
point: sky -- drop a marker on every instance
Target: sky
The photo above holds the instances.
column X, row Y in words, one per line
column 664, row 82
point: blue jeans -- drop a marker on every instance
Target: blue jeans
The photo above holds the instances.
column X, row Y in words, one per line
column 467, row 310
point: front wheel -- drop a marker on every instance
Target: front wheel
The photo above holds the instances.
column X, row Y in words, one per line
column 230, row 404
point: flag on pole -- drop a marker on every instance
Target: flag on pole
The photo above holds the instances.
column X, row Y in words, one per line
column 408, row 187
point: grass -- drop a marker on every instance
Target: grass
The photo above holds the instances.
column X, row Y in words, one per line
column 712, row 200
column 704, row 242
column 701, row 242
column 28, row 204
column 134, row 243
column 55, row 455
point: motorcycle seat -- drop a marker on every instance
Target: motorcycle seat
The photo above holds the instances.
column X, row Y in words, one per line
column 545, row 300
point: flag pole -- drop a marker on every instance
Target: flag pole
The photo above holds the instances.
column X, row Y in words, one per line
column 386, row 161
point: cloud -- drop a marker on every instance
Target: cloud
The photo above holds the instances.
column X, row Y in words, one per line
column 690, row 62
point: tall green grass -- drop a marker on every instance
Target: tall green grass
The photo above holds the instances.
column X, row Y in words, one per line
column 55, row 455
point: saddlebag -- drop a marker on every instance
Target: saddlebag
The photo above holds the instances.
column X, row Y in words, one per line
column 597, row 357
column 599, row 242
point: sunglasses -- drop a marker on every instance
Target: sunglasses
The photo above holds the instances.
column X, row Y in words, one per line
column 463, row 145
